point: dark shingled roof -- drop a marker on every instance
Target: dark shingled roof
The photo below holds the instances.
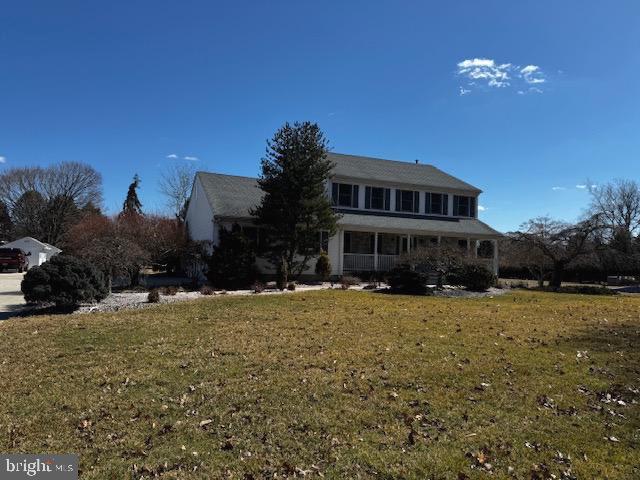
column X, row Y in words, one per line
column 234, row 196
column 422, row 226
column 230, row 195
column 392, row 171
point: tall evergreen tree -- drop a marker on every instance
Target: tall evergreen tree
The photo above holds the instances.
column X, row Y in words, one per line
column 6, row 225
column 295, row 207
column 132, row 202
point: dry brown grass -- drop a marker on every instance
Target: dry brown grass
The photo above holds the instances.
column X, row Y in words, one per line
column 335, row 383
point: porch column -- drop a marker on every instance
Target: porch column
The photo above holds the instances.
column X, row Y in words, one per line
column 468, row 247
column 375, row 251
column 476, row 245
column 495, row 257
column 439, row 240
column 408, row 243
column 340, row 251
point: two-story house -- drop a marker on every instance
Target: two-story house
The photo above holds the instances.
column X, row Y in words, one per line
column 387, row 209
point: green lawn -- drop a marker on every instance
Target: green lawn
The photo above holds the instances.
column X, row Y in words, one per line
column 335, row 384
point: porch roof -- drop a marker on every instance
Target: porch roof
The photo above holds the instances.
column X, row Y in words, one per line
column 467, row 227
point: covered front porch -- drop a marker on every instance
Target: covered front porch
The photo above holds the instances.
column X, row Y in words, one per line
column 377, row 251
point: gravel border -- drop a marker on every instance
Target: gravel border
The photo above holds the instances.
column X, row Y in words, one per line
column 138, row 300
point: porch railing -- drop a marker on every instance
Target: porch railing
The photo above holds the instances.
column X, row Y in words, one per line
column 364, row 262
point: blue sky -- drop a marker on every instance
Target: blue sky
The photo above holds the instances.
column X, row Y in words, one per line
column 124, row 85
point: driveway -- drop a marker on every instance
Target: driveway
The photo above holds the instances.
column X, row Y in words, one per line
column 11, row 299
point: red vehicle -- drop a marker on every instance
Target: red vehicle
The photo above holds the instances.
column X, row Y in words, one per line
column 13, row 258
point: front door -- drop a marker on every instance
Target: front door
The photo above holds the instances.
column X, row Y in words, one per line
column 404, row 244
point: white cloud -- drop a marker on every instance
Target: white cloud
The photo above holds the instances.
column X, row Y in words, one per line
column 3, row 159
column 581, row 187
column 532, row 74
column 172, row 156
column 556, row 189
column 193, row 159
column 485, row 70
column 487, row 73
column 482, row 208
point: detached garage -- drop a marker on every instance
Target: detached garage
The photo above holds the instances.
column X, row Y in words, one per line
column 38, row 251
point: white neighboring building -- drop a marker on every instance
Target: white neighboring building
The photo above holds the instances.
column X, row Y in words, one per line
column 39, row 252
column 387, row 209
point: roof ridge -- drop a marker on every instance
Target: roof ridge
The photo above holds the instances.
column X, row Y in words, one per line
column 407, row 162
column 226, row 175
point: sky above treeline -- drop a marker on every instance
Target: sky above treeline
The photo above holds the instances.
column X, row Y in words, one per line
column 531, row 102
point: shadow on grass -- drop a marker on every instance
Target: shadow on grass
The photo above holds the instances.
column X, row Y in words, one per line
column 618, row 345
column 22, row 311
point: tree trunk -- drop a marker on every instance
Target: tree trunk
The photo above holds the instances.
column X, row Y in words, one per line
column 556, row 277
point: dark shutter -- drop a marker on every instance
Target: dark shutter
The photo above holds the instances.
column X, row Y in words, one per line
column 367, row 197
column 456, row 203
column 398, row 201
column 445, row 204
column 416, row 202
column 354, row 199
column 427, row 203
column 387, row 198
column 334, row 193
column 472, row 207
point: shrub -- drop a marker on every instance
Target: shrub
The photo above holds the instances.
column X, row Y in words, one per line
column 404, row 279
column 282, row 275
column 170, row 291
column 291, row 286
column 154, row 296
column 66, row 281
column 206, row 290
column 323, row 266
column 232, row 263
column 473, row 277
column 583, row 290
column 258, row 287
column 348, row 281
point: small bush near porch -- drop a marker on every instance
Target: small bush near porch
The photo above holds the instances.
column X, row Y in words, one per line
column 335, row 383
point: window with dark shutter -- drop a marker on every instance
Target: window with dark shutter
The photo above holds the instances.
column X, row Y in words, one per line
column 345, row 195
column 464, row 206
column 367, row 197
column 387, row 198
column 445, row 204
column 334, row 193
column 416, row 202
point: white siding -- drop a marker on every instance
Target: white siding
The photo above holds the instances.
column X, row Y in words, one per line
column 200, row 215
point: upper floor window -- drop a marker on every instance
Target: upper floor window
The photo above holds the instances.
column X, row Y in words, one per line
column 344, row 195
column 377, row 198
column 436, row 203
column 464, row 206
column 407, row 201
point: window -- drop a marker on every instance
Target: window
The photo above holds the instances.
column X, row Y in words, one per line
column 344, row 195
column 377, row 198
column 407, row 201
column 436, row 203
column 464, row 206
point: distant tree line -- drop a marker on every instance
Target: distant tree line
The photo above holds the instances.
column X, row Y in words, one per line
column 61, row 205
column 605, row 242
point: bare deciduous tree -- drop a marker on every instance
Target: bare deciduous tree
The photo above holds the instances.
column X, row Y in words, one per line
column 175, row 184
column 618, row 205
column 77, row 181
column 44, row 202
column 558, row 241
